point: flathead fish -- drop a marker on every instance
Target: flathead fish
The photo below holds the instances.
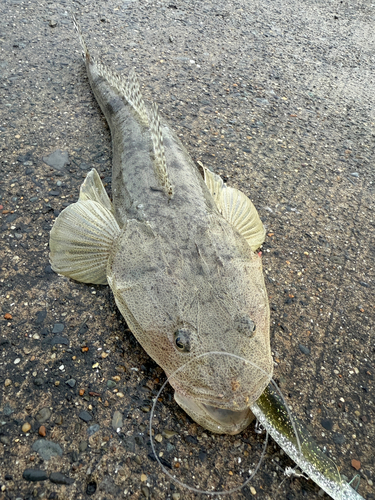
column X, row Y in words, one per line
column 178, row 250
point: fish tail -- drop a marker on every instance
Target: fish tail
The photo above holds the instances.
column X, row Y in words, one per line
column 129, row 89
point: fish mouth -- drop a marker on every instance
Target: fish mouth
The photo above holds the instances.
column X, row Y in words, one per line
column 227, row 417
column 215, row 419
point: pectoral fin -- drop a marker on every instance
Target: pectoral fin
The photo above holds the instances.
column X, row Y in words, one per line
column 83, row 234
column 237, row 209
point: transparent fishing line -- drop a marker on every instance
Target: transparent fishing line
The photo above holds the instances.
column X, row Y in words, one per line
column 237, row 488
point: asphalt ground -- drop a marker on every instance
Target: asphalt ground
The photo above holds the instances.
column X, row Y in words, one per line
column 277, row 97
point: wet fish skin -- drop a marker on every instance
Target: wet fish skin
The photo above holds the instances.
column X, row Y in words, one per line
column 178, row 251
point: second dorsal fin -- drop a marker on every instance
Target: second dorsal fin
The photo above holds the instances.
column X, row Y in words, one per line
column 128, row 88
column 158, row 145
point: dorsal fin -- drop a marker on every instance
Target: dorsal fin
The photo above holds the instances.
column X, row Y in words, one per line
column 85, row 50
column 158, row 145
column 128, row 88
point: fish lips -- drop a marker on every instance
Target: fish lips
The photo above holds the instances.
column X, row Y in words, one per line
column 215, row 419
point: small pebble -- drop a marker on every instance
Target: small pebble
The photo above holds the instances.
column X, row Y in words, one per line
column 71, row 382
column 143, row 478
column 91, row 488
column 82, row 446
column 59, row 420
column 93, row 429
column 117, row 421
column 34, row 475
column 57, row 339
column 8, row 316
column 42, row 431
column 58, row 159
column 338, row 438
column 58, row 478
column 303, row 349
column 176, row 496
column 145, row 491
column 85, row 416
column 356, row 464
column 170, row 447
column 327, row 424
column 159, row 438
column 58, row 328
column 26, row 427
column 43, row 415
column 16, row 361
column 253, row 490
column 40, row 317
column 7, row 382
column 168, row 433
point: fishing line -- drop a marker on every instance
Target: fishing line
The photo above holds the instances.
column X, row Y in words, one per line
column 237, row 488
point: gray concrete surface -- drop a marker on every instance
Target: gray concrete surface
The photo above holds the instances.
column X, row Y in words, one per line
column 277, row 97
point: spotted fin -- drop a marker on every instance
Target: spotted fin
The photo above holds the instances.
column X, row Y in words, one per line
column 128, row 88
column 237, row 209
column 83, row 235
column 159, row 153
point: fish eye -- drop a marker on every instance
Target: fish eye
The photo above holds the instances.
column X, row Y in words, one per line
column 246, row 326
column 182, row 339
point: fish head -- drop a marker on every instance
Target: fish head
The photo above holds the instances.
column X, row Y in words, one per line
column 228, row 362
column 205, row 321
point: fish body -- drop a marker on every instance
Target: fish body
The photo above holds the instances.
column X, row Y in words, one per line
column 178, row 249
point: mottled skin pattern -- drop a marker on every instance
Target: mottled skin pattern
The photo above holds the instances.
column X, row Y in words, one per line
column 183, row 277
